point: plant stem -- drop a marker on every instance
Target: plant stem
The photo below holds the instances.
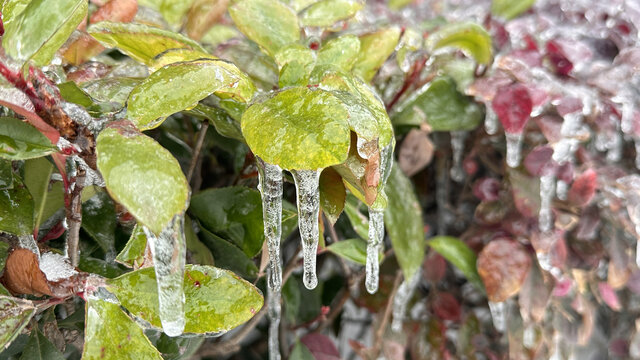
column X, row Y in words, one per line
column 196, row 151
column 74, row 218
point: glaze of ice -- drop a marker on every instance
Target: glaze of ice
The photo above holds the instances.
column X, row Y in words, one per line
column 499, row 315
column 529, row 336
column 562, row 189
column 270, row 186
column 374, row 246
column 614, row 148
column 491, row 122
column 29, row 243
column 169, row 254
column 308, row 194
column 401, row 300
column 91, row 177
column 636, row 142
column 514, row 146
column 564, row 150
column 545, row 216
column 274, row 311
column 457, row 148
column 626, row 98
column 56, row 267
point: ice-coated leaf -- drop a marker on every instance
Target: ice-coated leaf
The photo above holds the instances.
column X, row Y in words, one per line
column 375, row 48
column 99, row 220
column 178, row 55
column 459, row 255
column 359, row 222
column 142, row 175
column 298, row 129
column 178, row 86
column 17, row 101
column 403, row 219
column 249, row 58
column 48, row 197
column 301, row 352
column 228, row 256
column 15, row 314
column 509, row 9
column 234, row 213
column 332, row 194
column 526, row 193
column 340, row 52
column 133, row 253
column 295, row 62
column 39, row 31
column 513, row 106
column 4, row 252
column 271, row 24
column 141, row 42
column 110, row 334
column 469, row 37
column 112, row 89
column 441, row 106
column 351, row 249
column 20, row 140
column 216, row 299
column 220, row 119
column 583, row 188
column 197, row 251
column 16, row 209
column 503, row 266
column 40, row 348
column 327, row 12
column 11, row 9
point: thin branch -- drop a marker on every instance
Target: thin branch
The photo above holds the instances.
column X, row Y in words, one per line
column 385, row 318
column 74, row 217
column 196, row 151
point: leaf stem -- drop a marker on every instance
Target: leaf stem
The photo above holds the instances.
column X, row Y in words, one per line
column 196, row 151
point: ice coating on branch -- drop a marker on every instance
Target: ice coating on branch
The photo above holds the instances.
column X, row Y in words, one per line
column 564, row 150
column 56, row 267
column 490, row 121
column 514, row 149
column 545, row 216
column 274, row 311
column 562, row 189
column 374, row 246
column 308, row 194
column 499, row 315
column 270, row 177
column 401, row 300
column 169, row 254
column 29, row 243
column 457, row 148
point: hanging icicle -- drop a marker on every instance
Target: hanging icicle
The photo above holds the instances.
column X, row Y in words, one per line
column 499, row 315
column 308, row 194
column 274, row 312
column 374, row 246
column 270, row 178
column 545, row 216
column 457, row 148
column 514, row 148
column 401, row 300
column 490, row 120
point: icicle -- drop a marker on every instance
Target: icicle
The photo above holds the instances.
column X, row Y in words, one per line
column 273, row 310
column 557, row 352
column 545, row 216
column 401, row 300
column 307, row 189
column 169, row 253
column 514, row 145
column 562, row 189
column 636, row 141
column 614, row 147
column 270, row 177
column 490, row 120
column 457, row 148
column 29, row 243
column 499, row 315
column 376, row 236
column 529, row 336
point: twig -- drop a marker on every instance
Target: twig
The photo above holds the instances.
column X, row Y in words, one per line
column 74, row 217
column 385, row 318
column 196, row 151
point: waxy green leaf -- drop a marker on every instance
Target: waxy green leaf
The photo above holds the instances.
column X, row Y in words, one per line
column 298, row 129
column 20, row 140
column 351, row 249
column 48, row 197
column 112, row 89
column 469, row 37
column 16, row 209
column 509, row 9
column 332, row 194
column 178, row 55
column 270, row 24
column 216, row 300
column 132, row 255
column 15, row 314
column 99, row 220
column 459, row 254
column 341, row 52
column 40, row 348
column 375, row 48
column 228, row 256
column 142, row 175
column 178, row 86
column 295, row 62
column 327, row 12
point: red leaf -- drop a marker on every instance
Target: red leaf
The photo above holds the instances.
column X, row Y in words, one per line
column 321, row 347
column 487, row 189
column 583, row 188
column 116, row 11
column 539, row 161
column 609, row 296
column 513, row 106
column 435, row 267
column 559, row 61
column 503, row 266
column 446, row 307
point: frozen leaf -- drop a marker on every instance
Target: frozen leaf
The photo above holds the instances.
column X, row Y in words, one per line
column 228, row 256
column 178, row 55
column 298, row 129
column 487, row 189
column 509, row 9
column 301, row 352
column 17, row 101
column 341, row 52
column 583, row 188
column 458, row 254
column 122, row 11
column 216, row 299
column 441, row 106
column 22, row 274
column 446, row 306
column 471, row 38
column 539, row 162
column 416, row 152
column 48, row 198
column 359, row 222
column 326, row 12
column 534, row 296
column 403, row 219
column 220, row 119
column 39, row 31
column 559, row 60
column 271, row 24
column 332, row 194
column 202, row 15
column 513, row 106
column 16, row 209
column 111, row 334
column 351, row 249
column 99, row 220
column 320, row 346
column 526, row 193
column 609, row 296
column 295, row 62
column 112, row 89
column 20, row 140
column 503, row 266
column 375, row 48
column 15, row 314
column 39, row 347
column 141, row 42
column 197, row 251
column 141, row 175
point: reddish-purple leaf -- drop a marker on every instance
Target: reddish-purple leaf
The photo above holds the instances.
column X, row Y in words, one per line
column 564, row 172
column 559, row 61
column 634, row 282
column 487, row 189
column 583, row 188
column 568, row 105
column 562, row 288
column 534, row 295
column 513, row 106
column 609, row 296
column 446, row 307
column 539, row 161
column 434, row 267
column 321, row 346
column 550, row 125
column 416, row 152
column 503, row 266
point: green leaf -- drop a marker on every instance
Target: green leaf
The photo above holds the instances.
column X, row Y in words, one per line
column 375, row 48
column 469, row 37
column 133, row 253
column 99, row 220
column 11, row 9
column 197, row 252
column 220, row 119
column 48, row 197
column 142, row 176
column 39, row 31
column 327, row 12
column 15, row 314
column 301, row 352
column 247, row 56
column 359, row 221
column 178, row 86
column 6, row 174
column 112, row 89
column 271, row 24
column 509, row 9
column 16, row 209
column 111, row 334
column 332, row 194
column 228, row 256
column 233, row 213
column 141, row 42
column 19, row 140
column 216, row 300
column 40, row 348
column 178, row 55
column 352, row 249
column 341, row 52
column 298, row 129
column 295, row 62
column 459, row 254
column 398, row 4
column 403, row 219
column 4, row 252
column 72, row 93
column 440, row 105
column 101, row 267
column 219, row 34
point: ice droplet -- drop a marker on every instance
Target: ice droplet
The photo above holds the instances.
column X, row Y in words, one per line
column 514, row 145
column 457, row 148
column 270, row 186
column 376, row 236
column 401, row 300
column 273, row 310
column 169, row 254
column 499, row 315
column 308, row 193
column 29, row 243
column 545, row 216
column 490, row 120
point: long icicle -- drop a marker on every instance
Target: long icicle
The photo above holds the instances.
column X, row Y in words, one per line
column 457, row 149
column 545, row 216
column 169, row 255
column 274, row 311
column 499, row 315
column 376, row 236
column 401, row 300
column 270, row 177
column 308, row 193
